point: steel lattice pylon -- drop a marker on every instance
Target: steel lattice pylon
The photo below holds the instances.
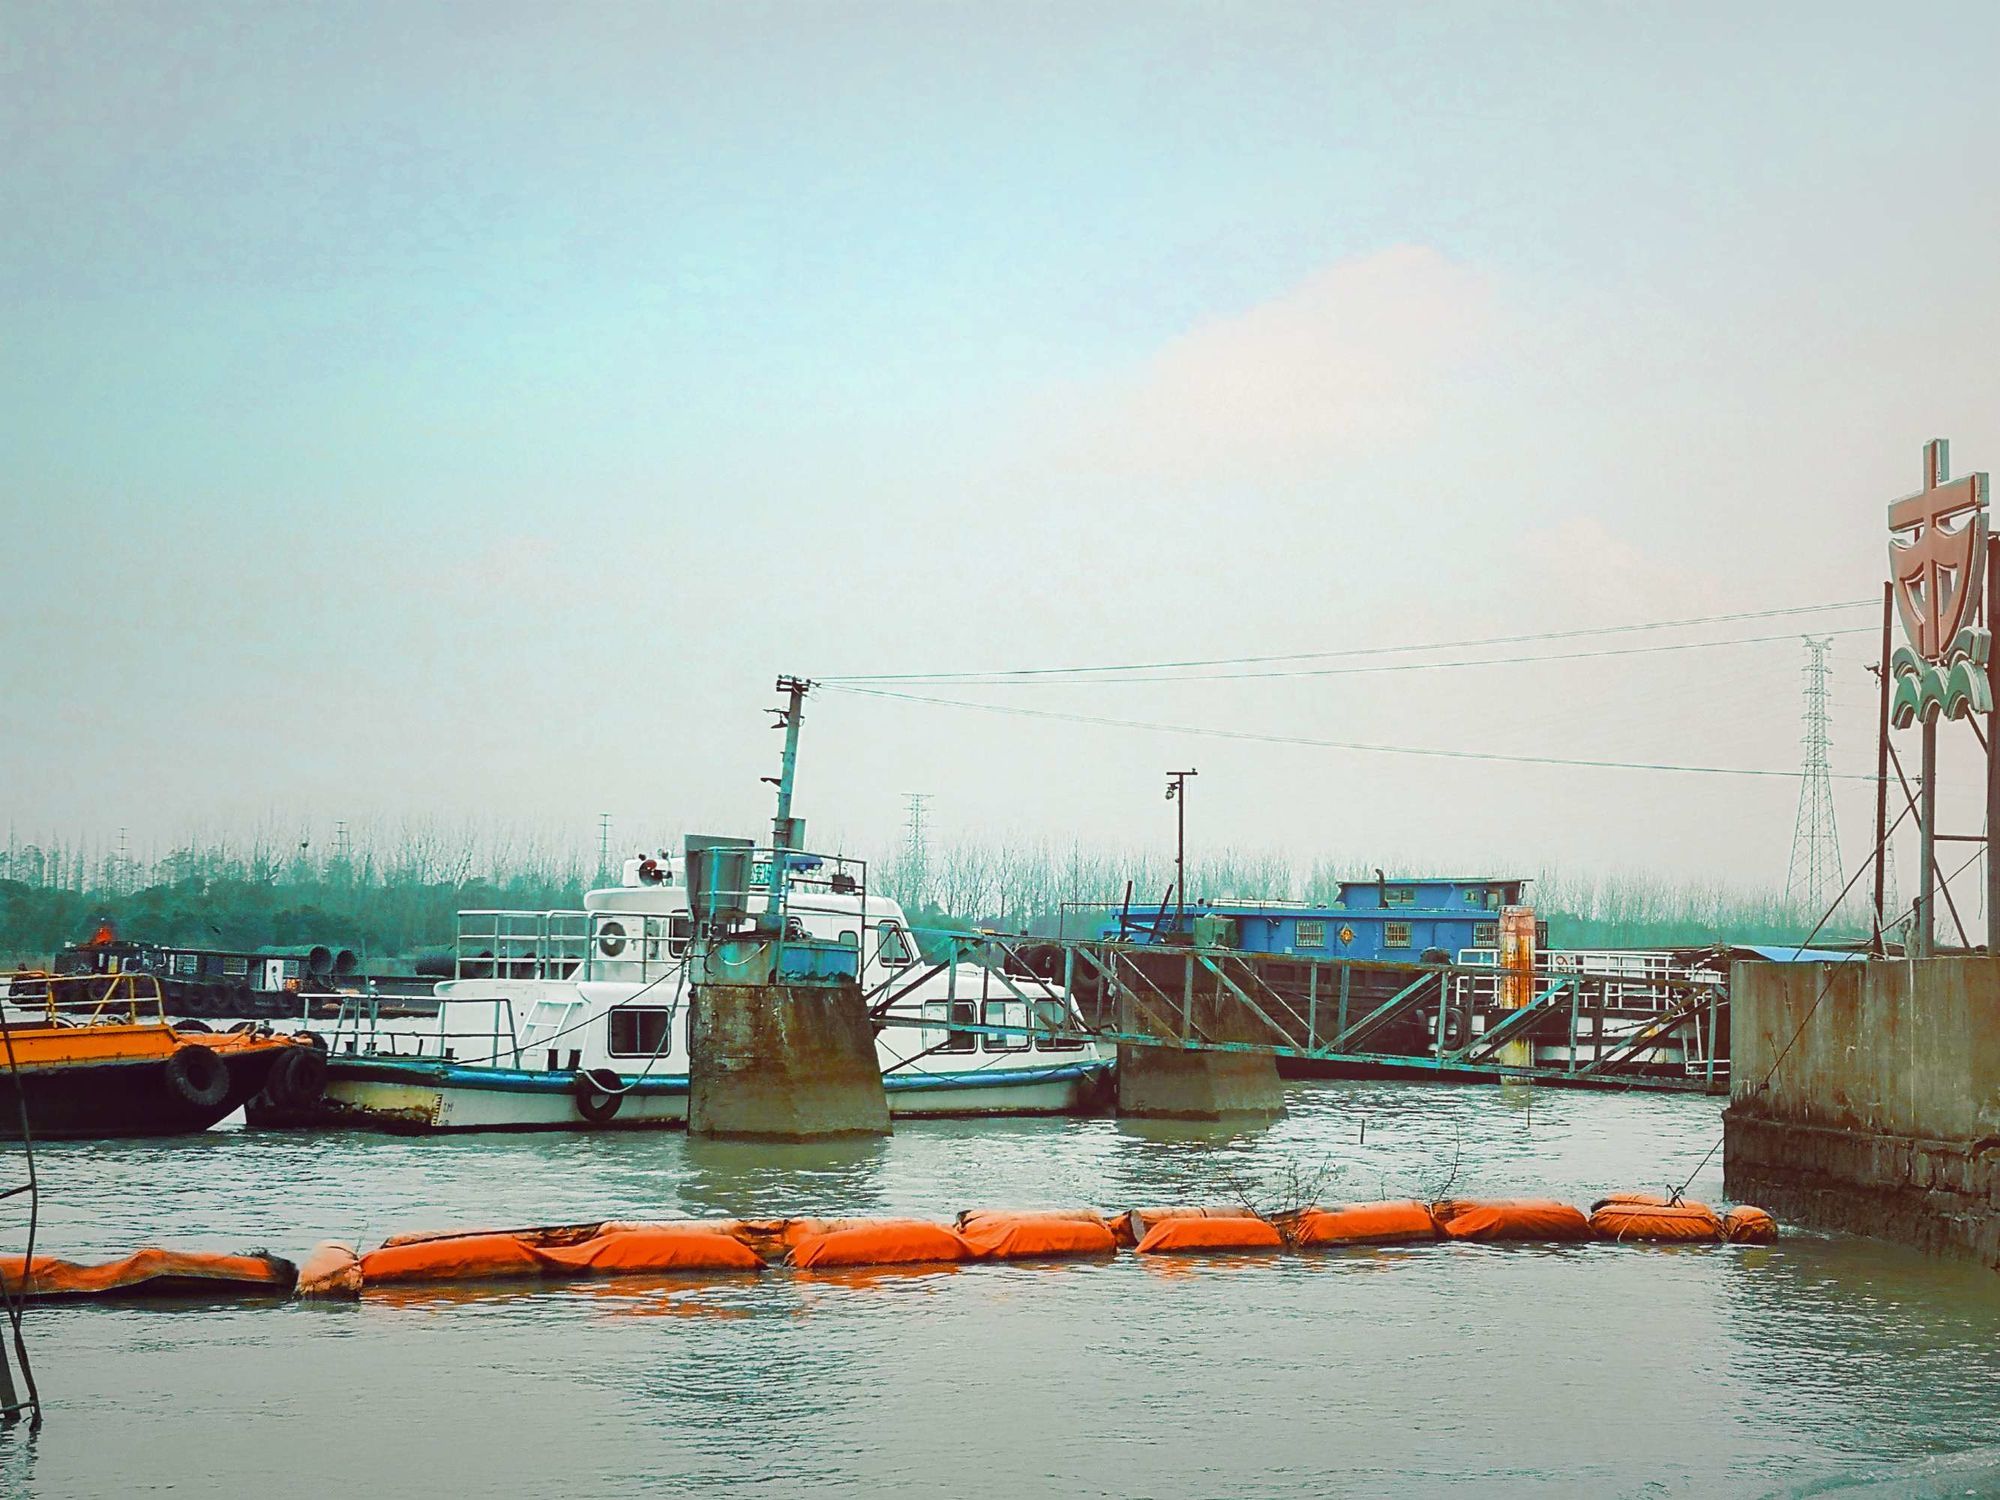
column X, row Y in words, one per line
column 1814, row 878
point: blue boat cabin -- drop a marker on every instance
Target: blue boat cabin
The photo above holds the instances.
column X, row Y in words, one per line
column 1387, row 921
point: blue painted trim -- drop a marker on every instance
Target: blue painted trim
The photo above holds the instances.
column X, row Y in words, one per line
column 424, row 1071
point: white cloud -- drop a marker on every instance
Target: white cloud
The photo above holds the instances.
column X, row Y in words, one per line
column 1352, row 362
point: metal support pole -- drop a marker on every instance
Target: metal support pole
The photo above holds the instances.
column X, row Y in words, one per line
column 1882, row 776
column 1177, row 794
column 1925, row 939
column 795, row 689
column 1991, row 608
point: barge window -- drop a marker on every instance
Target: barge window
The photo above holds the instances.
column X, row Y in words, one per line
column 1052, row 1016
column 680, row 932
column 1399, row 895
column 1007, row 1013
column 637, row 1030
column 939, row 1016
column 1311, row 935
column 1395, row 934
column 892, row 947
column 1485, row 934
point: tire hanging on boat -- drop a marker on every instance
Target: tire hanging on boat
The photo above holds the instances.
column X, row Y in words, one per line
column 197, row 1076
column 298, row 1078
column 598, row 1094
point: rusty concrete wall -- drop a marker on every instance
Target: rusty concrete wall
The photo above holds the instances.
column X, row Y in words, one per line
column 783, row 1062
column 1866, row 1097
column 1911, row 1047
column 1171, row 1083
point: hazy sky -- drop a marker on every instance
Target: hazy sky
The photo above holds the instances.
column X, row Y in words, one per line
column 464, row 412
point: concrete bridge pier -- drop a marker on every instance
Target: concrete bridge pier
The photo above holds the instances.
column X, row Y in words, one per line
column 1169, row 1082
column 778, row 1051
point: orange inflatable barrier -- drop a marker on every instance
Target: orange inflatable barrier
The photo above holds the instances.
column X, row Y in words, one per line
column 478, row 1257
column 1143, row 1219
column 880, row 1242
column 1744, row 1225
column 1176, row 1235
column 1649, row 1200
column 1510, row 1219
column 151, row 1273
column 970, row 1217
column 1365, row 1224
column 1029, row 1237
column 662, row 1249
column 332, row 1270
column 1663, row 1223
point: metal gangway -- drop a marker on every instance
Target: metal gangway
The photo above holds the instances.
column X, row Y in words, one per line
column 1656, row 1025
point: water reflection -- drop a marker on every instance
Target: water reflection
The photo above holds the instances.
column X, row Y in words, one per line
column 1482, row 1369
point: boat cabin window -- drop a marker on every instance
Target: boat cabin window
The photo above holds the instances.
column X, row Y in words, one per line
column 1312, row 935
column 849, row 938
column 1486, row 934
column 1395, row 934
column 939, row 1016
column 638, row 1030
column 1006, row 1013
column 1399, row 895
column 680, row 932
column 892, row 945
column 1051, row 1016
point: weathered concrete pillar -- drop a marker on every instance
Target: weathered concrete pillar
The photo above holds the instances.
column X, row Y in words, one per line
column 1171, row 1083
column 784, row 1060
column 1866, row 1097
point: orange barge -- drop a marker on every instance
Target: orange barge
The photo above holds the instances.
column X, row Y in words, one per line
column 113, row 1066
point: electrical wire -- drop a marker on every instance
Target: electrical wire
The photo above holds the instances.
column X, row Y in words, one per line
column 973, row 679
column 1435, row 752
column 1238, row 661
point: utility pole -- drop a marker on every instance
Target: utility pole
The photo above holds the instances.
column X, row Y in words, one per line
column 1814, row 875
column 1177, row 794
column 784, row 829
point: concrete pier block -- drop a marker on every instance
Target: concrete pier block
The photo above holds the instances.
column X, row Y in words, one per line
column 783, row 1062
column 1166, row 1083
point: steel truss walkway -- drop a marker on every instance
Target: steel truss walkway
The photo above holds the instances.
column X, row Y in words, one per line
column 1661, row 1029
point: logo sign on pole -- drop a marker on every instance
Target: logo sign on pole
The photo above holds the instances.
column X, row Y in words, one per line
column 1937, row 562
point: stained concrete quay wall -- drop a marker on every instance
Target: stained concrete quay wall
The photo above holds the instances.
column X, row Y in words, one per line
column 1866, row 1097
column 1170, row 1083
column 783, row 1062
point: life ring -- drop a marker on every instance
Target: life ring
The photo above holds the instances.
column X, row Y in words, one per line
column 611, row 939
column 598, row 1094
column 197, row 1076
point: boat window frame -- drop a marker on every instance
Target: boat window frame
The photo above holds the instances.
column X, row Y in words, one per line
column 616, row 1012
column 942, row 1016
column 889, row 929
column 1390, row 931
column 1054, row 1015
column 989, row 1042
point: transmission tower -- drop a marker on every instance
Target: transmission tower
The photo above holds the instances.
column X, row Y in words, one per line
column 1814, row 877
column 603, row 847
column 916, row 854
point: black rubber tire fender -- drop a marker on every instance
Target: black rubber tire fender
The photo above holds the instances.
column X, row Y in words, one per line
column 298, row 1078
column 196, row 1076
column 598, row 1094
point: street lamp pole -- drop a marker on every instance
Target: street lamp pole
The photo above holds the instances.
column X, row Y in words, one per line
column 1177, row 794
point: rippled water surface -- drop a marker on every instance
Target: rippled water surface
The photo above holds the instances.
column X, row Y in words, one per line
column 1818, row 1363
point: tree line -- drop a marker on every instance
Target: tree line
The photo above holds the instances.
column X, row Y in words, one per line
column 403, row 896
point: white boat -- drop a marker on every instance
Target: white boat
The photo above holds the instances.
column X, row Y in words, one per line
column 577, row 1020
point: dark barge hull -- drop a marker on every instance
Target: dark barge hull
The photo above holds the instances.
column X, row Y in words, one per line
column 117, row 1098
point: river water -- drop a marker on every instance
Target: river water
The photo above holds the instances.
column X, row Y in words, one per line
column 1820, row 1363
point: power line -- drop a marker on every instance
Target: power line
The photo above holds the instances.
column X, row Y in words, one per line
column 1428, row 751
column 1238, row 661
column 977, row 680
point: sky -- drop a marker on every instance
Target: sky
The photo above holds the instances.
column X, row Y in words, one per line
column 462, row 413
